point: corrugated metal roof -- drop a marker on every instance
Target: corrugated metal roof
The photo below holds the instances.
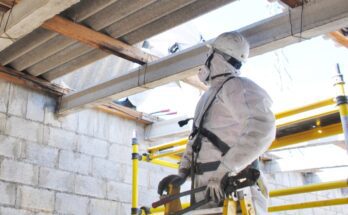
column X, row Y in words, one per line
column 49, row 55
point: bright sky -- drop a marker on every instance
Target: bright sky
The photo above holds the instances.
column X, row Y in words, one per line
column 293, row 76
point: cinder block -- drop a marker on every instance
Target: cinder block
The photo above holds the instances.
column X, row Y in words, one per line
column 3, row 118
column 143, row 176
column 74, row 162
column 10, row 147
column 36, row 107
column 87, row 121
column 18, row 172
column 14, row 211
column 120, row 153
column 71, row 204
column 121, row 130
column 104, row 207
column 125, row 208
column 101, row 129
column 61, row 138
column 37, row 199
column 7, row 193
column 4, row 95
column 93, row 146
column 119, row 191
column 18, row 100
column 29, row 130
column 70, row 121
column 39, row 154
column 56, row 179
column 107, row 169
column 50, row 116
column 90, row 186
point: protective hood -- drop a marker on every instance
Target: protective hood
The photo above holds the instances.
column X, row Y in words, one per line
column 218, row 66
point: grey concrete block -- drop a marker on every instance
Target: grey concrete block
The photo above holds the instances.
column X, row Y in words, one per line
column 18, row 101
column 56, row 179
column 3, row 118
column 50, row 116
column 39, row 154
column 15, row 171
column 125, row 208
column 75, row 162
column 61, row 138
column 92, row 146
column 120, row 153
column 90, row 186
column 19, row 127
column 4, row 95
column 87, row 121
column 36, row 107
column 10, row 147
column 70, row 121
column 14, row 211
column 101, row 129
column 71, row 204
column 7, row 193
column 107, row 169
column 37, row 199
column 119, row 191
column 104, row 207
column 121, row 130
column 143, row 176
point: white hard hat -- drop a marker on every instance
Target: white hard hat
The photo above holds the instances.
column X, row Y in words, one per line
column 233, row 44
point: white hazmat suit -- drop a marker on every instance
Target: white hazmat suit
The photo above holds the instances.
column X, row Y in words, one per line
column 241, row 117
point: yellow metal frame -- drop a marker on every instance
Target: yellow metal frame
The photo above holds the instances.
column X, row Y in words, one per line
column 304, row 205
column 309, row 188
column 171, row 151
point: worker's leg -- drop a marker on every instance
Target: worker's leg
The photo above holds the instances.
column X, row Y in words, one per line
column 259, row 200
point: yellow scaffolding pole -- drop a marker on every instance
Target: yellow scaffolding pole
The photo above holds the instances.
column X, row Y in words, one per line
column 135, row 169
column 309, row 188
column 176, row 150
column 342, row 103
column 167, row 145
column 304, row 205
column 305, row 108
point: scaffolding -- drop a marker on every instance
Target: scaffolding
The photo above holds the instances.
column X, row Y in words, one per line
column 310, row 122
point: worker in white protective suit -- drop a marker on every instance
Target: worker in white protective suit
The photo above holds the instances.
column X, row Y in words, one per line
column 233, row 125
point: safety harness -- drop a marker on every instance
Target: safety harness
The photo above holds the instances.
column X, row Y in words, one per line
column 199, row 133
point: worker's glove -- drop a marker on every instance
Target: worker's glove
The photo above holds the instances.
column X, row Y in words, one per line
column 214, row 191
column 175, row 180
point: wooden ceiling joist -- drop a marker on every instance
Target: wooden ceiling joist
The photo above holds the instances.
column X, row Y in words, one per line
column 339, row 38
column 30, row 81
column 97, row 40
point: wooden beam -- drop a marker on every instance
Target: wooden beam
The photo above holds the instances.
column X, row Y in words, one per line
column 339, row 38
column 97, row 40
column 126, row 113
column 28, row 15
column 293, row 3
column 30, row 81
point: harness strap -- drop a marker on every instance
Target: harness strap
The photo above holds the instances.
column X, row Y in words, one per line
column 216, row 141
column 201, row 168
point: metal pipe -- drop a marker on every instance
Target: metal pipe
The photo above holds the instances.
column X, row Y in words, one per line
column 165, row 163
column 305, row 108
column 309, row 188
column 167, row 145
column 342, row 103
column 177, row 150
column 135, row 169
column 314, row 204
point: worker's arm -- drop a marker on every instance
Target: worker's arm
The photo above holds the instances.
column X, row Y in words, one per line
column 250, row 105
column 185, row 162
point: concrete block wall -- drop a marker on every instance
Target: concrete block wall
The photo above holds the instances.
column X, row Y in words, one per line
column 77, row 164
